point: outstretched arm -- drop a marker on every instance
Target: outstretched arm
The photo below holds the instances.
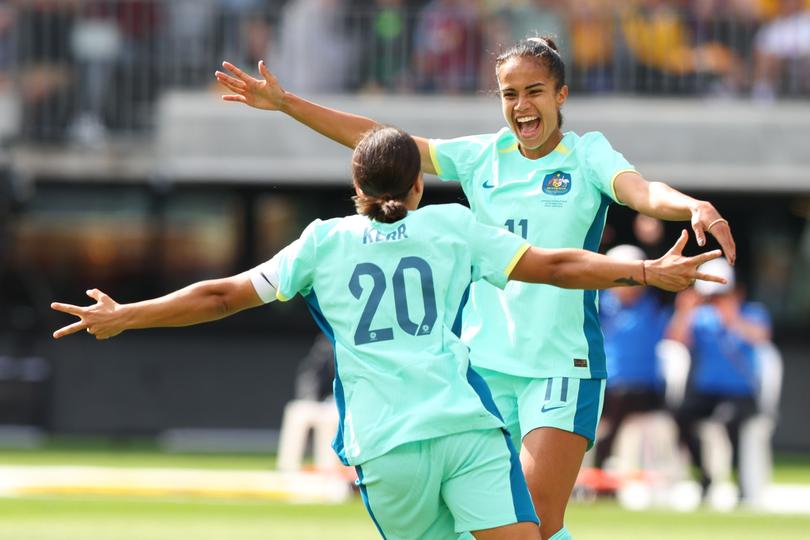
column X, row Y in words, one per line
column 266, row 93
column 580, row 269
column 659, row 200
column 201, row 302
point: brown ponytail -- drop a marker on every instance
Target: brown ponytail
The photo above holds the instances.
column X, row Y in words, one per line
column 385, row 164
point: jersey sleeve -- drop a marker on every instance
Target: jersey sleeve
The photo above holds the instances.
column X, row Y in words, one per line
column 494, row 251
column 604, row 164
column 454, row 159
column 289, row 272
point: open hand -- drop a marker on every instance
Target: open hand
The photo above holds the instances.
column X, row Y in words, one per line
column 674, row 272
column 265, row 93
column 100, row 319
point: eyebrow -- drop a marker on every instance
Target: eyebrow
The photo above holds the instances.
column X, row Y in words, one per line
column 530, row 87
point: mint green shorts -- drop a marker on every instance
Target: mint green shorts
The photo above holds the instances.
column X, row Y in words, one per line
column 438, row 488
column 565, row 403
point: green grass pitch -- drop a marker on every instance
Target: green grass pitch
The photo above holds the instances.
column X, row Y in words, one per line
column 163, row 518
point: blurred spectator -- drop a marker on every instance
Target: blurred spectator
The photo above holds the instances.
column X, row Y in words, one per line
column 447, row 46
column 593, row 32
column 649, row 232
column 137, row 75
column 316, row 372
column 633, row 322
column 45, row 62
column 731, row 23
column 7, row 54
column 96, row 46
column 509, row 21
column 315, row 54
column 722, row 332
column 312, row 409
column 668, row 61
column 782, row 53
column 243, row 29
column 386, row 46
column 189, row 40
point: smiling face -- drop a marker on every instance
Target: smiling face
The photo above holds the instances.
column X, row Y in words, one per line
column 531, row 101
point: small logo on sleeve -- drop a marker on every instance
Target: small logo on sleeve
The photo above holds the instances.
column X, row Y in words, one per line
column 487, row 185
column 557, row 183
column 580, row 362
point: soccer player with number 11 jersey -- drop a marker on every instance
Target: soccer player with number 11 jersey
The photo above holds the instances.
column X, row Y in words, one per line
column 387, row 286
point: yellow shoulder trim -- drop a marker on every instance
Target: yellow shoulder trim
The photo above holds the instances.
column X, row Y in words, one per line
column 433, row 158
column 511, row 266
column 613, row 183
column 561, row 148
column 510, row 148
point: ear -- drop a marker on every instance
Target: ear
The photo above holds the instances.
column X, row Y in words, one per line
column 418, row 185
column 357, row 190
column 562, row 95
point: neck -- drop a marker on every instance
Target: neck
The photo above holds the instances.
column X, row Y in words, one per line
column 545, row 148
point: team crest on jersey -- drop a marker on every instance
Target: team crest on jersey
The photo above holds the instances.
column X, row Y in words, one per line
column 557, row 183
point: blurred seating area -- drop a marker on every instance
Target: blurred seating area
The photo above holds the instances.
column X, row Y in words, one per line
column 84, row 68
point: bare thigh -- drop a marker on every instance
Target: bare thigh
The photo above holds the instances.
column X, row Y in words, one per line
column 551, row 459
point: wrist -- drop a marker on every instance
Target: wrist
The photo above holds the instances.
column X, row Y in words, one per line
column 698, row 208
column 286, row 102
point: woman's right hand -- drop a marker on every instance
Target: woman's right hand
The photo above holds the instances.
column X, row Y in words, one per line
column 674, row 272
column 264, row 93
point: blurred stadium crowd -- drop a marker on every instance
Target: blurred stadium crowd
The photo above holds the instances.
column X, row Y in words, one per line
column 85, row 67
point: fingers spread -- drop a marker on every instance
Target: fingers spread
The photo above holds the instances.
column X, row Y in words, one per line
column 96, row 294
column 710, row 277
column 677, row 249
column 700, row 234
column 708, row 256
column 70, row 329
column 236, row 71
column 264, row 71
column 229, row 81
column 67, row 308
column 236, row 98
column 722, row 233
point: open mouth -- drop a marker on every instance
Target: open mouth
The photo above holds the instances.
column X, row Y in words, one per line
column 527, row 126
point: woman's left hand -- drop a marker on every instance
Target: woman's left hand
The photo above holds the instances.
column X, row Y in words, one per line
column 706, row 219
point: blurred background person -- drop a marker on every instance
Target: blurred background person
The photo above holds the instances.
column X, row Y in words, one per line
column 313, row 408
column 722, row 332
column 386, row 50
column 46, row 67
column 314, row 50
column 667, row 57
column 633, row 322
column 782, row 52
column 447, row 46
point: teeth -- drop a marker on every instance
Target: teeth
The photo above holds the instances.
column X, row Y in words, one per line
column 524, row 119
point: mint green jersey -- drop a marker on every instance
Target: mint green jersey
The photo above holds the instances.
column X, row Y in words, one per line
column 557, row 201
column 389, row 295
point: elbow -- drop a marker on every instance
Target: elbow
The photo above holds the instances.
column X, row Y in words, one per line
column 217, row 301
column 221, row 308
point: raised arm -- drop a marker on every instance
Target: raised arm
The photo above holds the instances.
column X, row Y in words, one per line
column 580, row 269
column 266, row 93
column 201, row 302
column 659, row 200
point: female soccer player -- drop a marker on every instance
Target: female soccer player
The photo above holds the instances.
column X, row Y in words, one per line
column 538, row 347
column 387, row 287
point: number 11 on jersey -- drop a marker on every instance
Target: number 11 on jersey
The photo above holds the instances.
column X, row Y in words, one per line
column 523, row 224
